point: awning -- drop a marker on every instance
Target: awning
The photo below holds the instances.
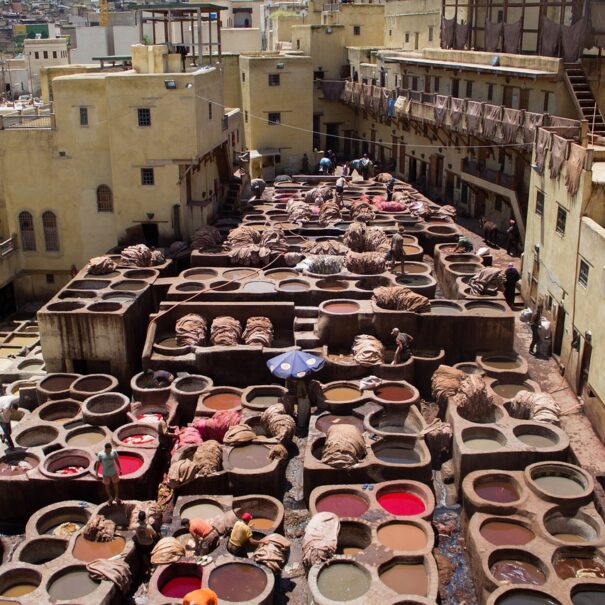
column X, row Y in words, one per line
column 259, row 153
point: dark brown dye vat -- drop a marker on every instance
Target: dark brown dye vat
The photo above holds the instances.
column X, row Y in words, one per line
column 394, row 393
column 514, row 571
column 87, row 550
column 506, row 533
column 92, row 384
column 249, row 456
column 577, row 567
column 237, row 582
column 342, row 504
column 497, row 490
column 341, row 308
column 57, row 383
column 525, row 597
column 325, row 422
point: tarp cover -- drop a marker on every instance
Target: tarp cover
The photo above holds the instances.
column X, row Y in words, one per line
column 573, row 168
column 512, row 37
column 344, row 446
column 558, row 155
column 493, row 32
column 550, row 34
column 462, row 32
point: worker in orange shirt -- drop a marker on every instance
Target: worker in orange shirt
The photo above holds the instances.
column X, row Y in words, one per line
column 202, row 596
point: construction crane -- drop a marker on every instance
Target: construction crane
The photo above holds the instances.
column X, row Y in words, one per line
column 104, row 9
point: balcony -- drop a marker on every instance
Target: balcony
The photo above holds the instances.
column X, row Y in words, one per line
column 496, row 177
column 37, row 118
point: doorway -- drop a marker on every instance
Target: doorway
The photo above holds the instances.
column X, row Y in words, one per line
column 332, row 139
column 584, row 366
column 557, row 341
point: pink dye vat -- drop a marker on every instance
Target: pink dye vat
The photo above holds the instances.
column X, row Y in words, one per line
column 178, row 587
column 402, row 503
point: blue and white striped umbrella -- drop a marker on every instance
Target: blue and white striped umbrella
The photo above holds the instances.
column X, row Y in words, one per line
column 295, row 364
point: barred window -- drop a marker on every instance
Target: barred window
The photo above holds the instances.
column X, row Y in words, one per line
column 104, row 199
column 26, row 227
column 147, row 176
column 583, row 273
column 144, row 116
column 51, row 233
column 274, row 117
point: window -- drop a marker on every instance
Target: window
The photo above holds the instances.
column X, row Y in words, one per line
column 246, row 117
column 469, row 89
column 390, row 33
column 407, row 36
column 147, row 176
column 297, row 44
column 540, row 203
column 498, row 204
column 50, row 278
column 37, row 55
column 436, row 83
column 500, row 16
column 490, row 92
column 414, row 83
column 54, row 54
column 243, row 76
column 583, row 274
column 83, row 116
column 210, row 111
column 26, row 227
column 51, row 233
column 46, row 54
column 546, row 99
column 104, row 199
column 144, row 116
column 561, row 220
column 430, row 33
column 274, row 117
column 317, row 75
column 357, row 30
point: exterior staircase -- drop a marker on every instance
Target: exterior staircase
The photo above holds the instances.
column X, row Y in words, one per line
column 584, row 100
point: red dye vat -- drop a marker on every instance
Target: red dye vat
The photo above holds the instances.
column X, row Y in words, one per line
column 69, row 470
column 152, row 417
column 139, row 439
column 130, row 464
column 343, row 505
column 181, row 585
column 403, row 504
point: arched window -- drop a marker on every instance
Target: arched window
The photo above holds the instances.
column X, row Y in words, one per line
column 26, row 227
column 104, row 199
column 51, row 233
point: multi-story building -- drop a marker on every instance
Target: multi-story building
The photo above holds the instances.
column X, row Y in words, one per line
column 44, row 52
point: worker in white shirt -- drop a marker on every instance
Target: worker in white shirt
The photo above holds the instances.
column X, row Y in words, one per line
column 9, row 410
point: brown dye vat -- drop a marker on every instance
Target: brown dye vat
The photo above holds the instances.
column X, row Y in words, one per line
column 483, row 444
column 32, row 366
column 278, row 275
column 496, row 490
column 85, row 438
column 19, row 590
column 129, row 285
column 575, row 567
column 325, row 422
column 72, row 585
column 86, row 550
column 235, row 274
column 524, row 597
column 342, row 393
column 508, row 391
column 249, row 456
column 505, row 533
column 343, row 582
column 402, row 536
column 514, row 571
column 333, row 286
column 92, row 384
column 406, row 579
column 351, row 551
column 223, row 401
column 342, row 308
column 396, row 454
column 342, row 505
column 237, row 582
column 412, row 267
column 535, row 440
column 57, row 383
column 445, row 309
column 394, row 393
column 201, row 510
column 393, row 423
column 10, row 467
column 294, row 286
column 261, row 523
column 559, row 485
column 258, row 287
column 190, row 287
column 570, row 538
column 411, row 249
column 502, row 363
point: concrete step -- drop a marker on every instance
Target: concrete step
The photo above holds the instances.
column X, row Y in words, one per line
column 306, row 312
column 304, row 324
column 306, row 340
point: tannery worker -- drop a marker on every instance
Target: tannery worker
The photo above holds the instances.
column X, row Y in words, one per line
column 159, row 378
column 397, row 252
column 111, row 472
column 241, row 536
column 464, row 244
column 144, row 536
column 201, row 596
column 202, row 533
column 403, row 342
column 512, row 276
column 9, row 410
column 390, row 189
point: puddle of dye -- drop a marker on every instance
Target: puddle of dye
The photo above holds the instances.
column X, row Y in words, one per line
column 508, row 391
column 237, row 582
column 264, row 400
column 571, row 538
column 482, row 444
column 343, row 582
column 559, row 485
column 588, row 597
column 86, row 550
column 517, row 572
column 72, row 585
column 403, row 504
column 261, row 523
column 85, row 439
column 496, row 491
column 573, row 567
column 534, row 440
column 327, row 420
column 397, row 455
column 343, row 505
column 294, row 287
column 529, row 598
column 249, row 456
column 19, row 590
column 445, row 310
column 393, row 393
column 129, row 464
column 342, row 393
column 203, row 510
column 504, row 533
column 18, row 466
column 342, row 308
column 402, row 537
column 179, row 586
column 406, row 579
column 223, row 401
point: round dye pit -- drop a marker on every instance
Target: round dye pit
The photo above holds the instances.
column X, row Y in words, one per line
column 259, row 287
column 482, row 444
column 343, row 582
column 179, row 586
column 17, row 464
column 577, row 567
column 496, row 490
column 223, row 401
column 60, row 411
column 445, row 309
column 92, row 384
column 19, row 590
column 559, row 485
column 506, row 533
column 128, row 462
column 334, row 285
column 139, row 439
column 536, row 439
column 264, row 401
column 343, row 393
column 85, row 437
column 294, row 286
column 402, row 537
column 394, row 392
column 237, row 582
column 71, row 585
column 280, row 274
column 249, row 456
column 398, row 423
column 342, row 504
column 404, row 578
column 261, row 523
column 201, row 510
column 517, row 571
column 36, row 436
column 341, row 308
column 57, row 383
column 169, row 342
column 396, row 454
column 150, row 417
column 42, row 550
column 402, row 503
column 237, row 274
column 588, row 596
column 87, row 550
column 579, row 529
column 509, row 391
column 327, row 420
column 526, row 597
column 502, row 362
